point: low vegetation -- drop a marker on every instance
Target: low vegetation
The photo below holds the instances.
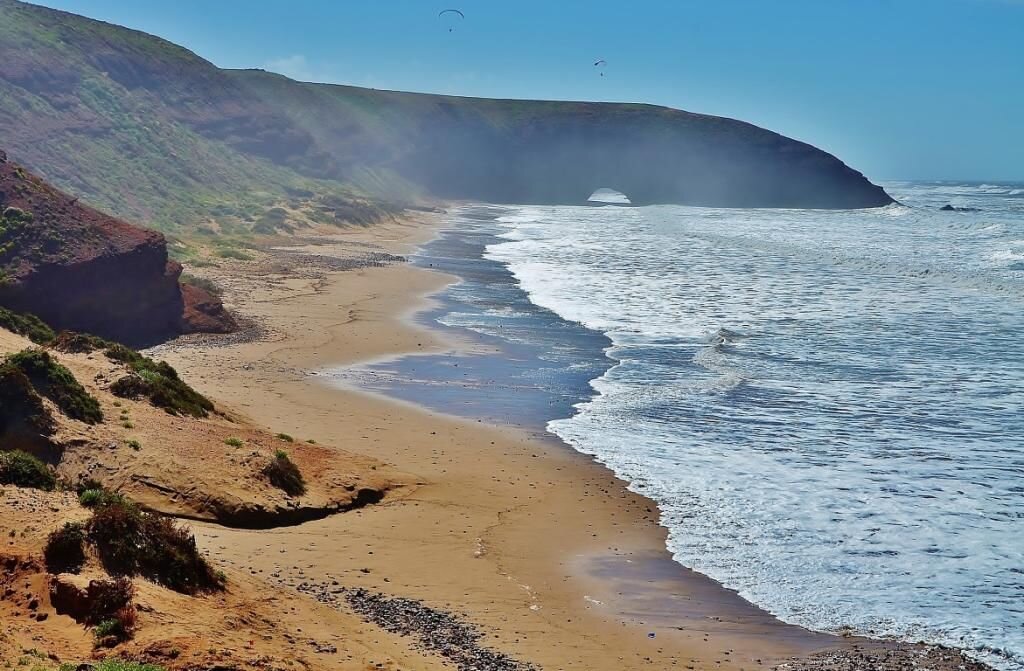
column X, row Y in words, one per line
column 26, row 325
column 207, row 285
column 284, row 474
column 115, row 664
column 78, row 343
column 235, row 254
column 112, row 610
column 55, row 382
column 23, row 470
column 65, row 549
column 95, row 496
column 158, row 382
column 131, row 542
column 285, row 437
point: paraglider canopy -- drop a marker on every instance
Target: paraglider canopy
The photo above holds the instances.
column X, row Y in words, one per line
column 600, row 65
column 452, row 17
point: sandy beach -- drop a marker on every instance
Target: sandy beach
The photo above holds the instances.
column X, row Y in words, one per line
column 542, row 549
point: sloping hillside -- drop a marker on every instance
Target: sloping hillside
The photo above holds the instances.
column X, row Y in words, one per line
column 147, row 129
column 132, row 123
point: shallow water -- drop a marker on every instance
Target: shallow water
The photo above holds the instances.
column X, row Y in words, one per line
column 826, row 405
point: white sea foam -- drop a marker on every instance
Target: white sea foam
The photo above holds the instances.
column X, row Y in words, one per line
column 827, row 405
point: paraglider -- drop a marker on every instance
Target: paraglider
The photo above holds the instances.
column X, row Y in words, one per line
column 600, row 65
column 452, row 16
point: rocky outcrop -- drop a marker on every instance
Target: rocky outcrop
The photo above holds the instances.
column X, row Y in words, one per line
column 204, row 313
column 79, row 269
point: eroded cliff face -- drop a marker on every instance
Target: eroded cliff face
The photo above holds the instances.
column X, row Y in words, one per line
column 79, row 269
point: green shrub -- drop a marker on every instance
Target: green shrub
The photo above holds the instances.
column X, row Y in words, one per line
column 135, row 445
column 23, row 470
column 20, row 405
column 233, row 442
column 108, row 597
column 26, row 325
column 132, row 542
column 158, row 382
column 65, row 549
column 234, row 254
column 285, row 475
column 116, row 530
column 115, row 664
column 97, row 496
column 285, row 437
column 56, row 383
column 79, row 343
column 116, row 629
column 91, row 498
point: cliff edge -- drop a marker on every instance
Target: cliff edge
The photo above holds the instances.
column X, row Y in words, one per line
column 79, row 269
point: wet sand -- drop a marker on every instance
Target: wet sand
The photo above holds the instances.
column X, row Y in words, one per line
column 540, row 547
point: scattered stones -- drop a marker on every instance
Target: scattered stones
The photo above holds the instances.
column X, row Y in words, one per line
column 436, row 631
column 899, row 657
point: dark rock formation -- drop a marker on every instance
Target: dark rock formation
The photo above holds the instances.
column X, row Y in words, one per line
column 79, row 269
column 204, row 313
column 954, row 208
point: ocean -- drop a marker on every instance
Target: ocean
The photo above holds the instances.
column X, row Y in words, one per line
column 827, row 406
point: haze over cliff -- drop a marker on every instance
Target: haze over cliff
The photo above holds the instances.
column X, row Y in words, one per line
column 147, row 129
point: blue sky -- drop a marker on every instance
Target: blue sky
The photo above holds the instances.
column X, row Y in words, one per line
column 915, row 89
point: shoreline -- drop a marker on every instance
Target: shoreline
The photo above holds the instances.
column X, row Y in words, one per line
column 539, row 545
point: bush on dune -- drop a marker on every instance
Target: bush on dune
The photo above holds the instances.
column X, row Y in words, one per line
column 158, row 382
column 112, row 610
column 65, row 549
column 94, row 497
column 72, row 342
column 23, row 470
column 130, row 541
column 284, row 474
column 26, row 325
column 55, row 382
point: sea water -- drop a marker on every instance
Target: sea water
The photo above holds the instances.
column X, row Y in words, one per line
column 826, row 405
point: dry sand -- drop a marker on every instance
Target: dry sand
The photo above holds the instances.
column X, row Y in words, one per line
column 545, row 550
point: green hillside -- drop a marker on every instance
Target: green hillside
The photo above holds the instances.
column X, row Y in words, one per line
column 152, row 132
column 117, row 117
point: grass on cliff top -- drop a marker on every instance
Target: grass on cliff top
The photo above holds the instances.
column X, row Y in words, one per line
column 26, row 325
column 23, row 470
column 158, row 382
column 55, row 382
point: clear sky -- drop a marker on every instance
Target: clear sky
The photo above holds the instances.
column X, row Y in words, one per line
column 899, row 89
